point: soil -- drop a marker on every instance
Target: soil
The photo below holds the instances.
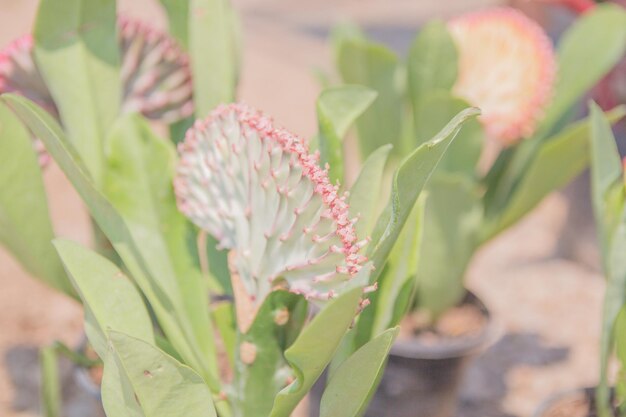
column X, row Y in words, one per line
column 540, row 279
column 577, row 405
column 463, row 321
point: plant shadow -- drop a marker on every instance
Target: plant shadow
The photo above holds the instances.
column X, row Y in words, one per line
column 484, row 387
column 22, row 367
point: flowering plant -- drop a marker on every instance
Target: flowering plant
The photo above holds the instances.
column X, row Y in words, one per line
column 503, row 63
column 217, row 252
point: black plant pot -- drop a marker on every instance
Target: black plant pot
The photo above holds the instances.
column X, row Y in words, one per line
column 423, row 380
column 576, row 402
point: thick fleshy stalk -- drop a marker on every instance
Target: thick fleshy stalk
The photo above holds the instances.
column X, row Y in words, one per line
column 507, row 68
column 262, row 195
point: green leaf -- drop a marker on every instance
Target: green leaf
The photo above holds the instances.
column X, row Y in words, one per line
column 163, row 386
column 587, row 51
column 451, row 223
column 364, row 195
column 374, row 66
column 50, row 387
column 168, row 307
column 337, row 108
column 607, row 181
column 408, row 182
column 391, row 301
column 314, row 348
column 351, row 387
column 432, row 62
column 138, row 182
column 432, row 113
column 25, row 226
column 111, row 301
column 177, row 16
column 255, row 385
column 77, row 52
column 213, row 52
column 558, row 160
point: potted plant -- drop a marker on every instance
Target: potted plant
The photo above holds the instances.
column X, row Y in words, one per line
column 502, row 62
column 220, row 251
column 291, row 242
column 608, row 195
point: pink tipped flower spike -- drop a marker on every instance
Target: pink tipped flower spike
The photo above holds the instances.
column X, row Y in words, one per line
column 155, row 73
column 259, row 192
column 507, row 68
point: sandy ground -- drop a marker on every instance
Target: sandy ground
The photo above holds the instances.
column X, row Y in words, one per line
column 541, row 287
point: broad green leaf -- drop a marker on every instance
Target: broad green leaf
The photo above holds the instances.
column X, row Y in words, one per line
column 50, row 383
column 350, row 388
column 337, row 108
column 607, row 187
column 375, row 66
column 213, row 53
column 408, row 182
column 431, row 114
column 587, row 51
column 163, row 386
column 432, row 62
column 607, row 180
column 177, row 16
column 399, row 274
column 364, row 196
column 25, row 226
column 118, row 396
column 314, row 348
column 111, row 301
column 76, row 50
column 138, row 182
column 167, row 307
column 452, row 218
column 558, row 160
column 255, row 385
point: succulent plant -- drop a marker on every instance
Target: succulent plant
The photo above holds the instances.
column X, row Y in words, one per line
column 503, row 63
column 506, row 67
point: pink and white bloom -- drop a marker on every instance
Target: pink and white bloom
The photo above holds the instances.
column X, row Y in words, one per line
column 262, row 195
column 507, row 67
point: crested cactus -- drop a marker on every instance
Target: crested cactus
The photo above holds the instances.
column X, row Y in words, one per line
column 155, row 73
column 507, row 68
column 259, row 192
